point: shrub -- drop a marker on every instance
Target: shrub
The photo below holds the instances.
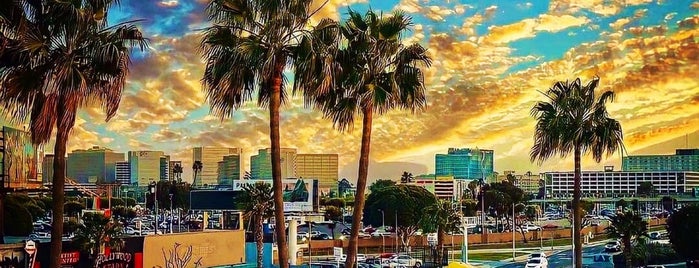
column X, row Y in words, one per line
column 18, row 221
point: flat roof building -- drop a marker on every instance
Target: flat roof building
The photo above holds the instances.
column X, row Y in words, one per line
column 619, row 183
column 682, row 160
column 465, row 163
column 93, row 165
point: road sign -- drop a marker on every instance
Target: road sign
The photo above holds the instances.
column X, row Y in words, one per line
column 337, row 252
column 30, row 247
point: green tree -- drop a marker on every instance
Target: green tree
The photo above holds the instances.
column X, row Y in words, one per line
column 472, row 186
column 469, row 207
column 57, row 57
column 177, row 171
column 336, row 202
column 247, row 49
column 406, row 177
column 621, row 203
column 682, row 229
column 627, row 226
column 380, row 184
column 573, row 120
column 20, row 221
column 96, row 232
column 367, row 74
column 256, row 202
column 73, row 209
column 406, row 202
column 441, row 217
column 645, row 188
column 333, row 213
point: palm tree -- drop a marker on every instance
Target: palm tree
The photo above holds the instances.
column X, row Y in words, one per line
column 574, row 120
column 472, row 186
column 196, row 168
column 247, row 49
column 256, row 201
column 97, row 232
column 441, row 217
column 371, row 73
column 177, row 171
column 627, row 226
column 57, row 57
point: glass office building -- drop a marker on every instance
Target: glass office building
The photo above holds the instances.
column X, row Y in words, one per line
column 465, row 163
column 682, row 160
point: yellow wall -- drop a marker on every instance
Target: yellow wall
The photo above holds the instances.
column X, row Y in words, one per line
column 210, row 248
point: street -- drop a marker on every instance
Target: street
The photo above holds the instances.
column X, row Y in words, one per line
column 564, row 258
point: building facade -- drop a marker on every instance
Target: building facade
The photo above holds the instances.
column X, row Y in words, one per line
column 145, row 166
column 47, row 169
column 323, row 167
column 165, row 171
column 682, row 160
column 261, row 164
column 94, row 165
column 229, row 170
column 619, row 183
column 465, row 163
column 443, row 187
column 123, row 173
column 209, row 157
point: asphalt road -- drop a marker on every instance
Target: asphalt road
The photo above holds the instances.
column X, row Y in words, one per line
column 563, row 258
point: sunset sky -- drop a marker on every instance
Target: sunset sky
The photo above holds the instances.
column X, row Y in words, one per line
column 491, row 59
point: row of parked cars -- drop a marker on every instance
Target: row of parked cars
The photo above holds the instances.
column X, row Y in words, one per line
column 385, row 260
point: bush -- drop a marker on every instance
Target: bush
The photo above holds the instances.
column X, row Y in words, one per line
column 18, row 221
column 645, row 253
column 35, row 211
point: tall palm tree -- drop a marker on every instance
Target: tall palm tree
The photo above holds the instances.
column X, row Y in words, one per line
column 177, row 171
column 97, row 232
column 257, row 203
column 441, row 217
column 406, row 177
column 574, row 120
column 247, row 49
column 627, row 226
column 371, row 72
column 196, row 168
column 57, row 57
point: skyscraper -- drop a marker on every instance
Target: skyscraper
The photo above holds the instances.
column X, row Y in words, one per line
column 123, row 173
column 165, row 168
column 93, row 165
column 229, row 169
column 261, row 164
column 682, row 160
column 145, row 166
column 209, row 157
column 47, row 169
column 323, row 167
column 465, row 163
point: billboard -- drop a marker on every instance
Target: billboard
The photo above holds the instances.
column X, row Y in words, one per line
column 299, row 194
column 19, row 159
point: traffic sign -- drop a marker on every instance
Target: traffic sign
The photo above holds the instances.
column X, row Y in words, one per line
column 30, row 247
column 337, row 252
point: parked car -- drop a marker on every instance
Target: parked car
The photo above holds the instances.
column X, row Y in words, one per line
column 613, row 246
column 322, row 236
column 536, row 255
column 405, row 260
column 532, row 227
column 131, row 231
column 380, row 233
column 537, row 263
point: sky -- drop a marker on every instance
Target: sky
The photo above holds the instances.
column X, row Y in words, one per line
column 491, row 60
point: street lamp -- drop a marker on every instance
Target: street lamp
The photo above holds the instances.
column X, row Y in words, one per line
column 172, row 217
column 154, row 191
column 383, row 224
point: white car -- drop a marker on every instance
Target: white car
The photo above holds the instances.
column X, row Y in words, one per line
column 613, row 246
column 404, row 260
column 131, row 231
column 537, row 263
column 532, row 227
column 536, row 255
column 360, row 258
column 380, row 233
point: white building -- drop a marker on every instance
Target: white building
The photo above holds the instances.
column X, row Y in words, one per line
column 619, row 183
column 123, row 173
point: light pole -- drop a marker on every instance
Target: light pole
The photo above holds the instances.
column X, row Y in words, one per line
column 395, row 240
column 513, row 232
column 383, row 239
column 172, row 216
column 154, row 192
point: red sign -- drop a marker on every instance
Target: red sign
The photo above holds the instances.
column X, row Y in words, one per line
column 69, row 258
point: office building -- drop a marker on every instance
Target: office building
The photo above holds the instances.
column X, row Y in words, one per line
column 261, row 164
column 323, row 167
column 165, row 168
column 229, row 170
column 94, row 165
column 528, row 181
column 465, row 164
column 47, row 169
column 620, row 183
column 176, row 176
column 682, row 160
column 123, row 173
column 443, row 187
column 209, row 157
column 145, row 166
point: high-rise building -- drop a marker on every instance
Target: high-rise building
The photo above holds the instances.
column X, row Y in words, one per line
column 175, row 176
column 682, row 160
column 123, row 173
column 93, row 165
column 145, row 166
column 465, row 163
column 165, row 168
column 261, row 164
column 209, row 157
column 323, row 167
column 47, row 169
column 229, row 170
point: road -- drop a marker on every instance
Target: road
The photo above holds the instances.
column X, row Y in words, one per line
column 563, row 258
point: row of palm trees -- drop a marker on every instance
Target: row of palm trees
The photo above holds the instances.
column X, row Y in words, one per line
column 59, row 56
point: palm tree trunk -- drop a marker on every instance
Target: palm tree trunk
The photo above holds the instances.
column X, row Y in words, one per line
column 440, row 246
column 576, row 210
column 65, row 122
column 258, row 239
column 361, row 186
column 274, row 103
column 627, row 252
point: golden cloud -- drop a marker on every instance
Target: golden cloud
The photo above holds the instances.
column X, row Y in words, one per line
column 527, row 28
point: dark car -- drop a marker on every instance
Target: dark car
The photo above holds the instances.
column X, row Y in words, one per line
column 322, row 236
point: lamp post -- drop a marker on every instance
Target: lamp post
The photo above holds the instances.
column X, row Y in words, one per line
column 154, row 192
column 383, row 239
column 513, row 233
column 172, row 216
column 395, row 240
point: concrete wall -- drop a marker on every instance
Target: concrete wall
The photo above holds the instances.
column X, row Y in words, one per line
column 209, row 248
